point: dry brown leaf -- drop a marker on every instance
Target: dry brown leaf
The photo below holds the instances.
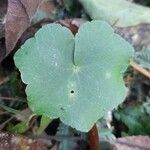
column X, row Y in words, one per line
column 18, row 19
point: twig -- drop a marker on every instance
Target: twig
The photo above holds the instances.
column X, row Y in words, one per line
column 4, row 113
column 12, row 98
column 4, row 80
column 41, row 22
column 138, row 68
column 4, row 123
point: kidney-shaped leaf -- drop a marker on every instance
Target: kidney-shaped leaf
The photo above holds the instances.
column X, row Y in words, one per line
column 77, row 79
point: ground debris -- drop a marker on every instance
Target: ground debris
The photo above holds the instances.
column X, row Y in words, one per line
column 17, row 142
column 133, row 143
column 138, row 36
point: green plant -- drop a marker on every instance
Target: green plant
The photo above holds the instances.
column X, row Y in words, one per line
column 77, row 79
column 135, row 118
column 143, row 57
column 122, row 13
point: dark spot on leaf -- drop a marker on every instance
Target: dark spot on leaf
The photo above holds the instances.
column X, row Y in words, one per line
column 62, row 108
column 72, row 91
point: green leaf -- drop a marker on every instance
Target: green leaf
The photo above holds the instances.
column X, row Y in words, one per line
column 75, row 78
column 143, row 57
column 119, row 12
column 19, row 128
column 135, row 118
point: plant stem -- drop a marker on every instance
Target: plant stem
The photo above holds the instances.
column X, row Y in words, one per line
column 45, row 121
column 93, row 138
column 138, row 68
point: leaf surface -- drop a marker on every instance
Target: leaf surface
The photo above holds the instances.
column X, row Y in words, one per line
column 122, row 13
column 75, row 78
